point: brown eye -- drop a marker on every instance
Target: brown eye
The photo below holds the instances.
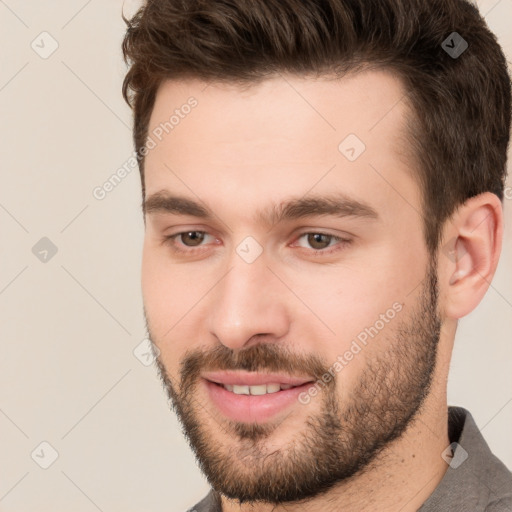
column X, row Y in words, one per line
column 192, row 238
column 319, row 241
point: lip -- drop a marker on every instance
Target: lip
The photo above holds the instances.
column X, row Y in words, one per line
column 241, row 378
column 253, row 408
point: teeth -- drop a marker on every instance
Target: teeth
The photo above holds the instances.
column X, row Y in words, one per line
column 258, row 390
column 263, row 389
column 274, row 388
column 241, row 390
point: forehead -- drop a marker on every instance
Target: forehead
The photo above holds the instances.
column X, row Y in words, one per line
column 285, row 134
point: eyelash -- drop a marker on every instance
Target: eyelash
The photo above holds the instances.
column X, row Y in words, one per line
column 342, row 242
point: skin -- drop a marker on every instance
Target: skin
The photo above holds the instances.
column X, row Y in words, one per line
column 241, row 150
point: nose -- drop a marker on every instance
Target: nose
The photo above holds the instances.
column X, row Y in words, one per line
column 249, row 301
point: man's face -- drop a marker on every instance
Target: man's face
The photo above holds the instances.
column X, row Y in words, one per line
column 337, row 284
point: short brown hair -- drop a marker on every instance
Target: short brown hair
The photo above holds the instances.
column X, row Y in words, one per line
column 460, row 133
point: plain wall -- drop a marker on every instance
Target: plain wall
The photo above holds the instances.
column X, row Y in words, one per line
column 69, row 326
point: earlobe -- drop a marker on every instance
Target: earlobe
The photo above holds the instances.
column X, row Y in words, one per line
column 477, row 228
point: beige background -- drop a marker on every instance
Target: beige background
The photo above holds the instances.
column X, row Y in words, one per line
column 68, row 374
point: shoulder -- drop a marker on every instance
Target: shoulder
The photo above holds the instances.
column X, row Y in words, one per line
column 475, row 479
column 501, row 505
column 210, row 503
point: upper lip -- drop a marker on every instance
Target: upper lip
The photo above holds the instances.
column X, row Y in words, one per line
column 254, row 378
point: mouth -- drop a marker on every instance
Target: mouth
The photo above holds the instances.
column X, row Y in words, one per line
column 252, row 397
column 263, row 389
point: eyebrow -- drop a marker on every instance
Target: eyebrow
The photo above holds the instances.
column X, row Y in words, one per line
column 336, row 205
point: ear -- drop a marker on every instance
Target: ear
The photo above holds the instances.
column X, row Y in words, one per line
column 468, row 260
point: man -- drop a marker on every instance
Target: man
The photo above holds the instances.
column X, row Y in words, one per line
column 322, row 186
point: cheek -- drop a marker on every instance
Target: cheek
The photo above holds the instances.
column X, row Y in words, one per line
column 164, row 298
column 364, row 321
column 163, row 292
column 348, row 299
column 172, row 295
column 153, row 284
column 355, row 309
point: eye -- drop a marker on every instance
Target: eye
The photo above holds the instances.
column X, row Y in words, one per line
column 321, row 241
column 189, row 240
column 192, row 238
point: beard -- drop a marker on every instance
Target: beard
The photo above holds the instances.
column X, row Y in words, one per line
column 339, row 440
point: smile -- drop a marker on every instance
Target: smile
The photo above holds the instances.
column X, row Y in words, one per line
column 263, row 389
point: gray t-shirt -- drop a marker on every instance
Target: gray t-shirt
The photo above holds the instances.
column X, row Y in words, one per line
column 476, row 481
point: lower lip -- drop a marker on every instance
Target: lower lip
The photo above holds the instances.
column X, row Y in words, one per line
column 253, row 408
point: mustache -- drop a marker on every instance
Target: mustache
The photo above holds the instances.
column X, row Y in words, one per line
column 262, row 357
